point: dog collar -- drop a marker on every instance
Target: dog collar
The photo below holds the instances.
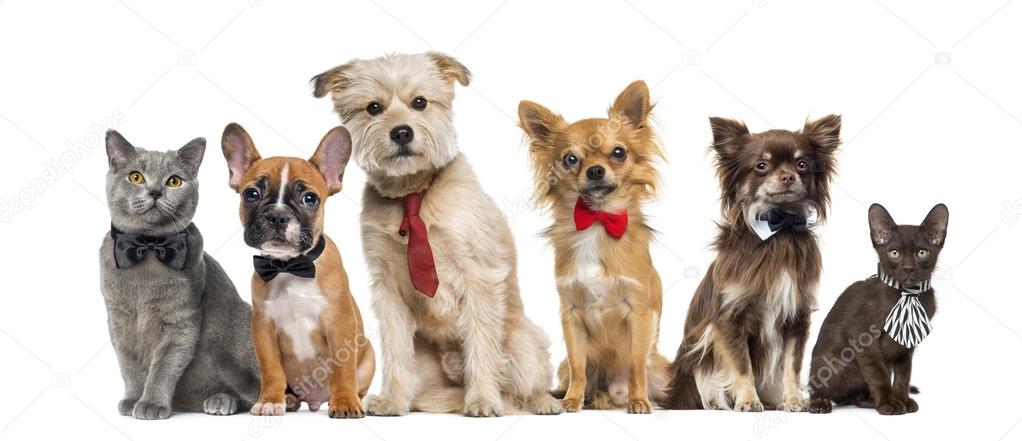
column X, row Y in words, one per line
column 907, row 323
column 130, row 249
column 774, row 220
column 302, row 265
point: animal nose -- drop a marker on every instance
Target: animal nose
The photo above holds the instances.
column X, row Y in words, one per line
column 787, row 178
column 909, row 271
column 155, row 194
column 277, row 220
column 402, row 134
column 595, row 172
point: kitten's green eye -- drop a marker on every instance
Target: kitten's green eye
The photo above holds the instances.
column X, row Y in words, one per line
column 894, row 254
column 922, row 254
column 174, row 181
column 136, row 178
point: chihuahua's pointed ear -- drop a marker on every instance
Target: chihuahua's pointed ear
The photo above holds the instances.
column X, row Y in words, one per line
column 881, row 225
column 240, row 152
column 632, row 104
column 538, row 121
column 118, row 150
column 825, row 132
column 725, row 132
column 935, row 225
column 332, row 156
column 191, row 154
column 451, row 69
column 333, row 80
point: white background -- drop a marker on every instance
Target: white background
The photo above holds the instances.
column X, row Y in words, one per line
column 928, row 90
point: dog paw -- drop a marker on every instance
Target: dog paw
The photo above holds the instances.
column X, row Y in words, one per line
column 640, row 406
column 546, row 405
column 892, row 407
column 125, row 406
column 220, row 404
column 483, row 408
column 820, row 405
column 794, row 404
column 600, row 400
column 571, row 404
column 911, row 406
column 268, row 409
column 749, row 406
column 147, row 410
column 349, row 407
column 380, row 406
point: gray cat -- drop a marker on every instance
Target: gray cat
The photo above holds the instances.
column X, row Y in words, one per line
column 180, row 330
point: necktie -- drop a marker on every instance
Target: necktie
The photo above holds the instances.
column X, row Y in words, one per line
column 613, row 223
column 302, row 265
column 421, row 267
column 907, row 323
column 130, row 249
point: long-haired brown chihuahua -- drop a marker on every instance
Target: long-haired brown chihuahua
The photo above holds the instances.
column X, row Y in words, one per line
column 748, row 322
column 593, row 175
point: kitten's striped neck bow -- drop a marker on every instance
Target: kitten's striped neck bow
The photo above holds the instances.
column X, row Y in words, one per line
column 907, row 322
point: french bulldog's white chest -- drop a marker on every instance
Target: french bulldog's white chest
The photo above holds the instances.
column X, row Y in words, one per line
column 295, row 305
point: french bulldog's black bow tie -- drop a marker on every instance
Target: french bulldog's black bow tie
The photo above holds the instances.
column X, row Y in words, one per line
column 302, row 265
column 130, row 249
column 778, row 219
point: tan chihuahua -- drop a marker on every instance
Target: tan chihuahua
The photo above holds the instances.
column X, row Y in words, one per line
column 594, row 175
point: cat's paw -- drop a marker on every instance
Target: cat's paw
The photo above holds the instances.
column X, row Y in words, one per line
column 641, row 405
column 263, row 408
column 148, row 410
column 220, row 404
column 380, row 406
column 349, row 407
column 749, row 406
column 820, row 405
column 484, row 408
column 910, row 405
column 546, row 404
column 571, row 404
column 890, row 407
column 125, row 406
column 794, row 404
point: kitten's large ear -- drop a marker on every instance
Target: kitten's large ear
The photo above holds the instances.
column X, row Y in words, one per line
column 332, row 155
column 118, row 150
column 935, row 225
column 632, row 104
column 725, row 132
column 451, row 69
column 192, row 153
column 825, row 132
column 881, row 225
column 240, row 152
column 332, row 80
column 538, row 121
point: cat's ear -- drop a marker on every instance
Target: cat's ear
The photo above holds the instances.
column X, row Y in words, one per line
column 332, row 156
column 191, row 154
column 240, row 152
column 633, row 104
column 824, row 132
column 935, row 225
column 118, row 150
column 881, row 226
column 725, row 132
column 538, row 121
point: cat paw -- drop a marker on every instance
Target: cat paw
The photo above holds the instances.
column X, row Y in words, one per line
column 910, row 405
column 571, row 404
column 484, row 408
column 546, row 404
column 892, row 407
column 268, row 409
column 749, row 406
column 820, row 405
column 220, row 404
column 349, row 407
column 125, row 406
column 794, row 404
column 640, row 406
column 148, row 410
column 380, row 406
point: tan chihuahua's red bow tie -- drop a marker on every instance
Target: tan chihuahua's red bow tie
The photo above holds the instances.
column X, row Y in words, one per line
column 421, row 267
column 614, row 223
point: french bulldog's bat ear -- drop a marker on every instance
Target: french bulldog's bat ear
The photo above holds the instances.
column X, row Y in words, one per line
column 192, row 153
column 118, row 150
column 240, row 152
column 335, row 79
column 451, row 69
column 632, row 104
column 935, row 225
column 332, row 156
column 538, row 121
column 725, row 132
column 881, row 225
column 825, row 132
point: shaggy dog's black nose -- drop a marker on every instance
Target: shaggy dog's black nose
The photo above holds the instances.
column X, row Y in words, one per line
column 402, row 134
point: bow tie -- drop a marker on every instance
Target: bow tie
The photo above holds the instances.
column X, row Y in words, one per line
column 302, row 265
column 130, row 249
column 421, row 267
column 776, row 219
column 907, row 323
column 613, row 223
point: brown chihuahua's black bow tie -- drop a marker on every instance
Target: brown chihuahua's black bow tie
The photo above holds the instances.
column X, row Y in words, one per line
column 130, row 249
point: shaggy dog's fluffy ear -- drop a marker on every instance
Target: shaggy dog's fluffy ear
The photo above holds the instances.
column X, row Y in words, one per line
column 333, row 80
column 451, row 69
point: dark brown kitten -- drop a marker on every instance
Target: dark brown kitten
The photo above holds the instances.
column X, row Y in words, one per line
column 855, row 357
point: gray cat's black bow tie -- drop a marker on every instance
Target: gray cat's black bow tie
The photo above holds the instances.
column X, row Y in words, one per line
column 908, row 324
column 130, row 249
column 302, row 265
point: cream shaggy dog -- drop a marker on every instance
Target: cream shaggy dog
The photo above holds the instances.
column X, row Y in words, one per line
column 470, row 348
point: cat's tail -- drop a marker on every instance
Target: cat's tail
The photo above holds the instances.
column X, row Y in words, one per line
column 913, row 390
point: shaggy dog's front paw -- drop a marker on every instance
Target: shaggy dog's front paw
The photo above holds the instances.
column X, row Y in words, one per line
column 483, row 408
column 546, row 404
column 381, row 406
column 220, row 404
column 749, row 406
column 148, row 410
column 794, row 404
column 263, row 408
column 640, row 406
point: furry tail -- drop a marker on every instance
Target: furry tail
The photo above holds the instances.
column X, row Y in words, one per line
column 913, row 390
column 682, row 392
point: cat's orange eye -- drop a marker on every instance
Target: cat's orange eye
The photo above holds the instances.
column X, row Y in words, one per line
column 136, row 178
column 174, row 181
